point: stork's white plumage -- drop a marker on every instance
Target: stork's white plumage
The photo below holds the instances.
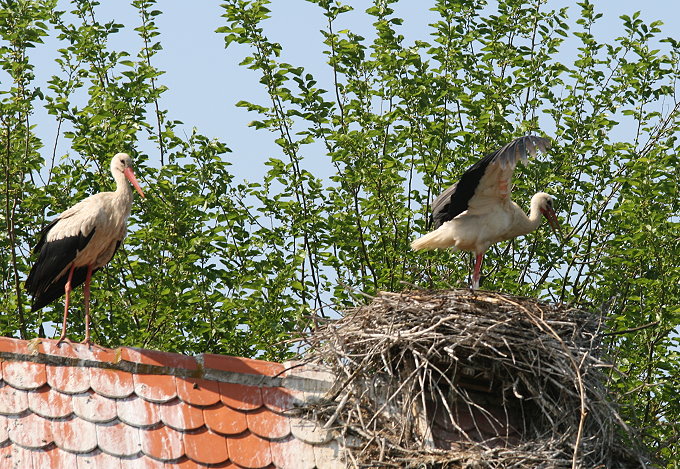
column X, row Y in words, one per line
column 80, row 241
column 477, row 211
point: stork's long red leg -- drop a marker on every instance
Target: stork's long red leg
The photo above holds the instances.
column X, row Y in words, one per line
column 86, row 291
column 67, row 300
column 478, row 269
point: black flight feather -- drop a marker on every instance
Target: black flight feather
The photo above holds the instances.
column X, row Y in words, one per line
column 42, row 282
column 454, row 200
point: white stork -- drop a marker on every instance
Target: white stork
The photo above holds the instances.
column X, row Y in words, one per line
column 477, row 211
column 80, row 241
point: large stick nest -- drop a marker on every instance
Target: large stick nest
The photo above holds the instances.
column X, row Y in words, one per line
column 460, row 379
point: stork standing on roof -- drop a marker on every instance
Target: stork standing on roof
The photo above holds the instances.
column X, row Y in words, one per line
column 80, row 241
column 477, row 212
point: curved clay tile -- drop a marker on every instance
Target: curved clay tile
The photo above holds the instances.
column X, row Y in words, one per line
column 162, row 443
column 95, row 411
column 12, row 401
column 49, row 403
column 137, row 412
column 100, row 460
column 111, row 383
column 92, row 407
column 4, row 436
column 117, row 439
column 292, row 453
column 198, row 391
column 206, row 447
column 187, row 463
column 242, row 365
column 17, row 456
column 138, row 462
column 241, row 396
column 77, row 351
column 68, row 379
column 24, row 375
column 157, row 358
column 249, row 450
column 279, row 399
column 225, row 420
column 155, row 388
column 30, row 431
column 181, row 416
column 53, row 457
column 268, row 424
column 74, row 435
column 309, row 431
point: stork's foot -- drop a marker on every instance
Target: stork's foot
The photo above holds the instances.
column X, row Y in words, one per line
column 63, row 338
column 87, row 341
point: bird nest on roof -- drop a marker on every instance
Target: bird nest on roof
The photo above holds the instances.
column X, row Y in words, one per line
column 461, row 379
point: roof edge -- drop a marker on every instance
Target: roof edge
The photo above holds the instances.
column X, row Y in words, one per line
column 221, row 368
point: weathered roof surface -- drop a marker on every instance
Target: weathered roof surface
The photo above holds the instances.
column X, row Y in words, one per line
column 77, row 407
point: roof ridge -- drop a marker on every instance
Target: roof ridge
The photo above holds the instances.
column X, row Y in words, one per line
column 220, row 368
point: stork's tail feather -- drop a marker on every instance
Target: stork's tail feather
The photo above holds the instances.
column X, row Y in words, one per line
column 438, row 239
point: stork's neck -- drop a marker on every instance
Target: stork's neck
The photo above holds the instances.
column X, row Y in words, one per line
column 123, row 190
column 526, row 224
column 535, row 213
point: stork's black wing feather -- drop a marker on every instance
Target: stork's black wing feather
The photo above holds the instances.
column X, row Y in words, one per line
column 43, row 282
column 55, row 289
column 454, row 200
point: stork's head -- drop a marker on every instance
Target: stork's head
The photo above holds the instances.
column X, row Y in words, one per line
column 544, row 202
column 122, row 164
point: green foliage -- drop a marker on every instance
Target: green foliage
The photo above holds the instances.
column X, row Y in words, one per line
column 401, row 121
column 215, row 263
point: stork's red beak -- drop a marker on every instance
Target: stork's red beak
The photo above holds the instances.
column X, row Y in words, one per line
column 130, row 175
column 551, row 216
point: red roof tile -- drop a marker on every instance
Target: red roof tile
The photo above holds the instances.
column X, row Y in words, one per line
column 17, row 456
column 163, row 443
column 241, row 396
column 155, row 388
column 4, row 435
column 268, row 424
column 223, row 419
column 94, row 407
column 279, row 399
column 72, row 350
column 49, row 403
column 200, row 392
column 111, row 383
column 242, row 365
column 68, row 379
column 79, row 407
column 12, row 401
column 53, row 457
column 249, row 450
column 204, row 446
column 30, row 431
column 24, row 375
column 137, row 412
column 158, row 358
column 181, row 416
column 291, row 449
column 75, row 435
column 118, row 439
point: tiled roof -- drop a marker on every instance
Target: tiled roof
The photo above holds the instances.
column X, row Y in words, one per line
column 77, row 407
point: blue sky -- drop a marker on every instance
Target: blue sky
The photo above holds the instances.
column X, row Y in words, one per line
column 205, row 80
